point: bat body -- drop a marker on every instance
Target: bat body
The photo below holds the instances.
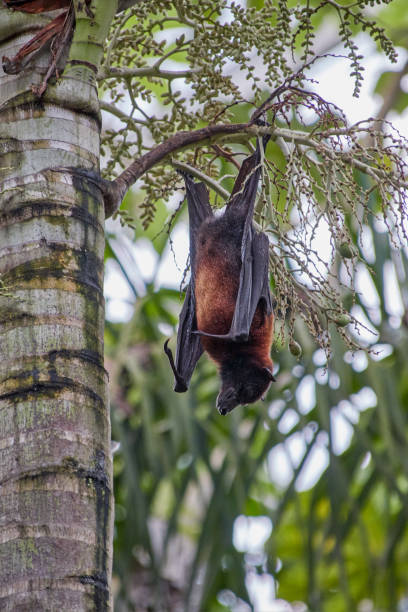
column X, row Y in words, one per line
column 227, row 310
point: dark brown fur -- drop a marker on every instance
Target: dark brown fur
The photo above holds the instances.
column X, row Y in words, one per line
column 244, row 367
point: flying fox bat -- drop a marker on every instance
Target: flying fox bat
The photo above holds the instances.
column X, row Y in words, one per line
column 227, row 310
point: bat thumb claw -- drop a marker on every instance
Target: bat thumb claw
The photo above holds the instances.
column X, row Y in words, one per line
column 180, row 385
column 271, row 377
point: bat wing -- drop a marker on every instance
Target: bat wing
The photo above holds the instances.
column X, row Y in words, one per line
column 254, row 276
column 243, row 195
column 253, row 288
column 189, row 348
column 199, row 209
column 253, row 285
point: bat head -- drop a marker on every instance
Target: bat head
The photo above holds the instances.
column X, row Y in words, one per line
column 242, row 384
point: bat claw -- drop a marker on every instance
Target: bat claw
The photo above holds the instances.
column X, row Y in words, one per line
column 180, row 386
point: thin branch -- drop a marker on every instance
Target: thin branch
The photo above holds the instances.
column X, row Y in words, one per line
column 182, row 16
column 162, row 58
column 113, row 40
column 145, row 71
column 176, row 142
column 201, row 176
column 211, row 134
column 114, row 110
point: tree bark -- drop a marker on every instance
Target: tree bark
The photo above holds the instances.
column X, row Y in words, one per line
column 55, row 460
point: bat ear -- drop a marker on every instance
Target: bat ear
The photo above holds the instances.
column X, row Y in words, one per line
column 270, row 375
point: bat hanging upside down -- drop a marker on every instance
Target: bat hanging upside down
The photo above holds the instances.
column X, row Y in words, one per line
column 227, row 309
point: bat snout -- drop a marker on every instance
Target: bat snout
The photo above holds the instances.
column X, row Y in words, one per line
column 226, row 401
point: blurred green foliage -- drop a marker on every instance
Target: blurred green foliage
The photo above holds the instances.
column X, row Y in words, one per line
column 184, row 474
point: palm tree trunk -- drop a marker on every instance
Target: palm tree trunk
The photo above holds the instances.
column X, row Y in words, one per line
column 55, row 461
